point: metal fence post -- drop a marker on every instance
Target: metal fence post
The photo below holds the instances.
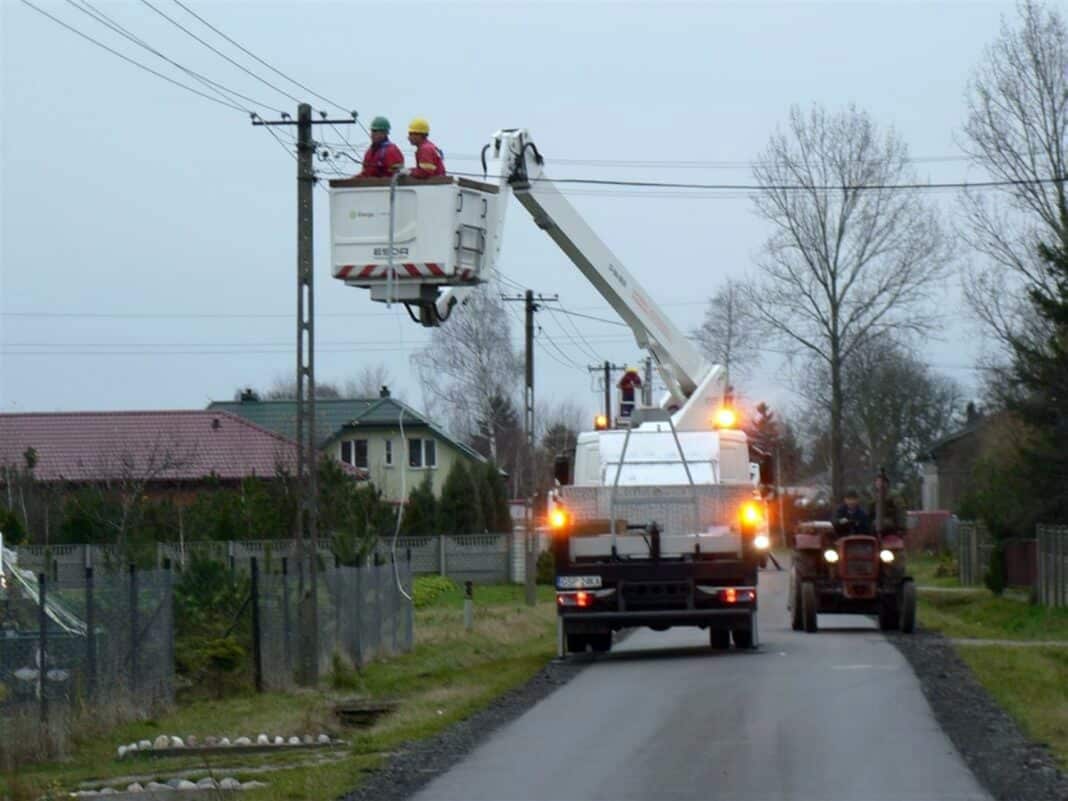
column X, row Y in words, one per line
column 358, row 613
column 90, row 635
column 42, row 645
column 378, row 606
column 394, row 600
column 133, row 629
column 409, row 609
column 441, row 555
column 287, row 629
column 257, row 643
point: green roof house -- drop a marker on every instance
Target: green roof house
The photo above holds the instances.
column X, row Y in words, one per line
column 366, row 433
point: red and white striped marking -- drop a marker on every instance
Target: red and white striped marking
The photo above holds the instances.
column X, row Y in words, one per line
column 427, row 269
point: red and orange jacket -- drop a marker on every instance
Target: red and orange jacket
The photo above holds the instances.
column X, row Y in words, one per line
column 382, row 160
column 428, row 161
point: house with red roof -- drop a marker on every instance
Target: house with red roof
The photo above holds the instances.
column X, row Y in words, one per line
column 164, row 453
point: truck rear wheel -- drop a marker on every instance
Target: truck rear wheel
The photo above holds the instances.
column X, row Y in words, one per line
column 809, row 606
column 745, row 639
column 908, row 607
column 576, row 643
column 601, row 643
column 796, row 621
column 719, row 639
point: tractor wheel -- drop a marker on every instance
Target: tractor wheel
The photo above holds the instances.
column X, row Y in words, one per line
column 796, row 621
column 601, row 642
column 908, row 607
column 809, row 606
column 576, row 643
column 888, row 615
column 719, row 639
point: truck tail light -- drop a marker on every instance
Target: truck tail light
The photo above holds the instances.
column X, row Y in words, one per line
column 581, row 599
column 736, row 595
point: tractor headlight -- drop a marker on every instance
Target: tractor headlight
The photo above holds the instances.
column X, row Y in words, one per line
column 831, row 555
column 886, row 556
column 761, row 542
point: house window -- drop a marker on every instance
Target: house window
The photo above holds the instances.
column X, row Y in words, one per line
column 354, row 452
column 422, row 453
column 389, row 453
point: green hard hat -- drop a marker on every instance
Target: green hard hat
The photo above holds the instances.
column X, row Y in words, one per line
column 380, row 124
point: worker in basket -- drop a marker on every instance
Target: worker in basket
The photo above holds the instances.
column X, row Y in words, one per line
column 850, row 517
column 429, row 162
column 383, row 158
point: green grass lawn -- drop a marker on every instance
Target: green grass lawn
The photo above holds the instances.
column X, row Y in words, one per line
column 929, row 571
column 1030, row 682
column 450, row 674
column 981, row 614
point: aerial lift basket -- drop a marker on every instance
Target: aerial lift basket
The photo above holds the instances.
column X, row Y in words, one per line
column 407, row 240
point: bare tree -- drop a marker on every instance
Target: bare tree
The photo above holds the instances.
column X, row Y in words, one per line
column 469, row 362
column 369, row 381
column 1016, row 127
column 850, row 257
column 286, row 389
column 895, row 407
column 730, row 335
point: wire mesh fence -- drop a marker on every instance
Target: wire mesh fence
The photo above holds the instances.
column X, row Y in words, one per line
column 97, row 645
column 358, row 614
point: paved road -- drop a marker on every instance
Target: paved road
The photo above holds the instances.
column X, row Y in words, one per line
column 838, row 715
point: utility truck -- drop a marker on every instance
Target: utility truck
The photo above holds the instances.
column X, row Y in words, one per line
column 657, row 522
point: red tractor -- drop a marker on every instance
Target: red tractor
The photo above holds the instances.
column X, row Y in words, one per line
column 838, row 572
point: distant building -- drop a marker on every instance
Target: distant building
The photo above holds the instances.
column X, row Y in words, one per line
column 365, row 433
column 173, row 454
column 948, row 464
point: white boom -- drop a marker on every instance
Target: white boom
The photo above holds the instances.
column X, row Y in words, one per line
column 695, row 386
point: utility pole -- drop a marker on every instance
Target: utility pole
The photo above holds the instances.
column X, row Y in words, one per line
column 307, row 441
column 528, row 422
column 530, row 573
column 608, row 368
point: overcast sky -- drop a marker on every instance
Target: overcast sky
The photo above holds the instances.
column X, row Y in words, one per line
column 149, row 235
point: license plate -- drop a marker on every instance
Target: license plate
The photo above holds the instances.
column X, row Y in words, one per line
column 578, row 582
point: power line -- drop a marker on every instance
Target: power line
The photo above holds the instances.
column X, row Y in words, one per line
column 584, row 345
column 133, row 61
column 99, row 16
column 219, row 53
column 273, row 69
column 604, row 319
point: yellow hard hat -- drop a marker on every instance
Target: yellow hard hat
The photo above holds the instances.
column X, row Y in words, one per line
column 419, row 126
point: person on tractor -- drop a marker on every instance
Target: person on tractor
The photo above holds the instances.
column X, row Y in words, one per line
column 850, row 517
column 892, row 516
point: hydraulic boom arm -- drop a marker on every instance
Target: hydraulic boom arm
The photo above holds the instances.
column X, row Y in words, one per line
column 691, row 380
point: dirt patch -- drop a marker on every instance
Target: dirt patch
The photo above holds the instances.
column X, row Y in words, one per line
column 417, row 764
column 1011, row 767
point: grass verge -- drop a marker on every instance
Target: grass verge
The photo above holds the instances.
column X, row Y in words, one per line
column 451, row 674
column 1030, row 682
column 1032, row 685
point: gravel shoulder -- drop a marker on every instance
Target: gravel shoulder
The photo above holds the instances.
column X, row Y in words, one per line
column 418, row 763
column 1011, row 767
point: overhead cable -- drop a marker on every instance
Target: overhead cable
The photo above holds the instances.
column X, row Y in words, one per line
column 133, row 61
column 273, row 69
